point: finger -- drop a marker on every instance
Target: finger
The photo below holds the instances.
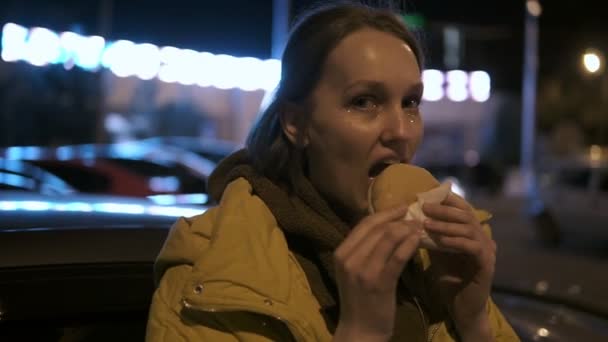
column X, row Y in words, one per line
column 447, row 213
column 401, row 255
column 456, row 201
column 368, row 223
column 380, row 239
column 452, row 229
column 470, row 247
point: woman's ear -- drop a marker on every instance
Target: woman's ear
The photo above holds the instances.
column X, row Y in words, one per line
column 293, row 124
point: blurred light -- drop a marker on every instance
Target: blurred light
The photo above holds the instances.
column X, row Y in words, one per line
column 148, row 61
column 164, row 184
column 457, row 85
column 14, row 42
column 74, row 206
column 179, row 199
column 169, row 59
column 456, row 187
column 35, row 205
column 433, row 85
column 542, row 287
column 479, row 86
column 14, row 153
column 174, row 211
column 112, row 208
column 595, row 154
column 592, row 62
column 118, row 58
column 169, row 64
column 118, row 208
column 43, row 47
column 543, row 332
column 533, row 7
column 8, row 205
column 471, row 158
column 65, row 152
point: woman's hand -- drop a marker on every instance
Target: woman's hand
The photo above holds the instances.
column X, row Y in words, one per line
column 463, row 276
column 368, row 265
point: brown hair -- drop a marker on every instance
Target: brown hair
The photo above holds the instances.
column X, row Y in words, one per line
column 311, row 40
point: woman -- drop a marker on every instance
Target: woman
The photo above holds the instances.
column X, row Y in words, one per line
column 290, row 252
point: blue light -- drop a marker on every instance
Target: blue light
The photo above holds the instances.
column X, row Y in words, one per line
column 167, row 199
column 119, row 208
column 35, row 205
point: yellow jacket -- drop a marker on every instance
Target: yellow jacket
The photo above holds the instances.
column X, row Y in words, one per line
column 227, row 275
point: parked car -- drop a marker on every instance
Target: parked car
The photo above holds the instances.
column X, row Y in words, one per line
column 166, row 174
column 79, row 267
column 572, row 197
column 18, row 175
column 212, row 149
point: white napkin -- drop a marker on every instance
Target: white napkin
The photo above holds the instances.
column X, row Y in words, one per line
column 414, row 212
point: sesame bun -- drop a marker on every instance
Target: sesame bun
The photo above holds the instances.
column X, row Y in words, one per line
column 397, row 185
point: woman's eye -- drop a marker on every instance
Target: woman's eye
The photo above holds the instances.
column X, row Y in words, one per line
column 411, row 103
column 364, row 103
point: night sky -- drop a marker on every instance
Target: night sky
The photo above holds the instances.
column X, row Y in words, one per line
column 243, row 27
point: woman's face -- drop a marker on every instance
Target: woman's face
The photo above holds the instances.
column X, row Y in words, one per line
column 364, row 116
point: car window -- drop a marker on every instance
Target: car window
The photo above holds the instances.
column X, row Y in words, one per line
column 79, row 177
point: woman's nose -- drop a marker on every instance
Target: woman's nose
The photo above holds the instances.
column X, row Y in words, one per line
column 398, row 125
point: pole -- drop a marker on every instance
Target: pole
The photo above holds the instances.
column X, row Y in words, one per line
column 528, row 128
column 280, row 26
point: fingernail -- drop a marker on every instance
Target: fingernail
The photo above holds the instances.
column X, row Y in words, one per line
column 429, row 223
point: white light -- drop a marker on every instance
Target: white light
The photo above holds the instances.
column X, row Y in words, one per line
column 433, row 85
column 86, row 52
column 228, row 66
column 543, row 332
column 148, row 57
column 248, row 73
column 479, row 86
column 89, row 53
column 206, row 71
column 457, row 81
column 14, row 42
column 118, row 58
column 534, row 8
column 8, row 205
column 592, row 62
column 43, row 47
column 270, row 74
column 187, row 62
column 456, row 187
column 169, row 59
column 174, row 211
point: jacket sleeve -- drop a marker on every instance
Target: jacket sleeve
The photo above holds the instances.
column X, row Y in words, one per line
column 170, row 321
column 502, row 330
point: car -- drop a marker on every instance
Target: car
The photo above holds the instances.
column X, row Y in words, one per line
column 18, row 175
column 572, row 197
column 79, row 267
column 212, row 149
column 163, row 173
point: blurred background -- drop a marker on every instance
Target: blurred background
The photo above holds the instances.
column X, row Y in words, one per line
column 139, row 100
